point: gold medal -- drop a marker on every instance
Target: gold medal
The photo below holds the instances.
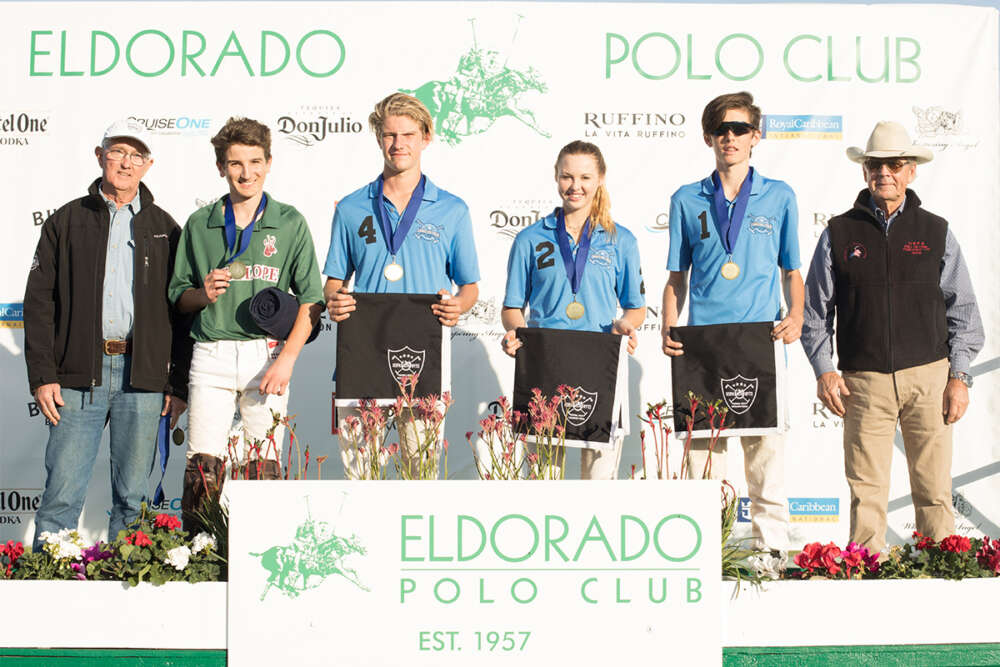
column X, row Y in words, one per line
column 237, row 269
column 730, row 270
column 575, row 310
column 393, row 272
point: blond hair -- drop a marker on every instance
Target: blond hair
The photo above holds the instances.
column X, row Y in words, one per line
column 600, row 209
column 401, row 104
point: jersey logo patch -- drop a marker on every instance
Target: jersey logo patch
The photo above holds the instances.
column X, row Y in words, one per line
column 425, row 231
column 602, row 258
column 761, row 224
column 739, row 393
column 855, row 250
column 260, row 272
column 579, row 411
column 269, row 245
column 916, row 247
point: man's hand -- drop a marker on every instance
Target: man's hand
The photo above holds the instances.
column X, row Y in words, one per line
column 671, row 347
column 447, row 309
column 216, row 283
column 789, row 329
column 829, row 389
column 955, row 401
column 277, row 377
column 175, row 406
column 510, row 342
column 625, row 328
column 48, row 396
column 341, row 305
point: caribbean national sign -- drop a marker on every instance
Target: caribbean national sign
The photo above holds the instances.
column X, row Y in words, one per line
column 522, row 573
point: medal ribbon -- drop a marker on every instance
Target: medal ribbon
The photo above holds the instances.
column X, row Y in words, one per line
column 574, row 268
column 394, row 240
column 729, row 228
column 247, row 231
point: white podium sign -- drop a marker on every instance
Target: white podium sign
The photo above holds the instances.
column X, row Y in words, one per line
column 469, row 573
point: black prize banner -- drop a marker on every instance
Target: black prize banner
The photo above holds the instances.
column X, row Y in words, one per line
column 388, row 337
column 592, row 363
column 737, row 363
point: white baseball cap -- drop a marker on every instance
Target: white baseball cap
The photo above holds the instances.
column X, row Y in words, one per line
column 131, row 129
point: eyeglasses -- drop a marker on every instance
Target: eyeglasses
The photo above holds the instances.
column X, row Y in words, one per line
column 739, row 128
column 874, row 165
column 118, row 155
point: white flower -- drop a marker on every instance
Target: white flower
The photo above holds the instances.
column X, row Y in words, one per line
column 67, row 543
column 769, row 566
column 202, row 540
column 68, row 550
column 178, row 557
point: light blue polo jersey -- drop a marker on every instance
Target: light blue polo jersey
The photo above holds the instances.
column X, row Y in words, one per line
column 768, row 240
column 536, row 276
column 438, row 250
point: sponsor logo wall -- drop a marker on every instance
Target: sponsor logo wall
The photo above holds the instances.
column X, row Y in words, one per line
column 504, row 102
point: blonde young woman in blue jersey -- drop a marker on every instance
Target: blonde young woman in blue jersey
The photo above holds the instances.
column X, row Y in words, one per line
column 537, row 281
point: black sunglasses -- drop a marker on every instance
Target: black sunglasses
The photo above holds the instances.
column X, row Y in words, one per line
column 739, row 128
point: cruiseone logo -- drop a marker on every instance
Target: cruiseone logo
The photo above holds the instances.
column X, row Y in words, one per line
column 17, row 504
column 174, row 125
column 312, row 124
column 825, row 510
column 484, row 88
column 405, row 361
column 941, row 128
column 579, row 410
column 22, row 128
column 739, row 393
column 634, row 124
column 12, row 315
column 660, row 224
column 512, row 216
column 151, row 53
column 829, row 128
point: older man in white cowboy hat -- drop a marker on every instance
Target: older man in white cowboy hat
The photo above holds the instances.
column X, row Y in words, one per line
column 907, row 327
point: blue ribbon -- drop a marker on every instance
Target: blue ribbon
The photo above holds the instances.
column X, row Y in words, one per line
column 574, row 268
column 163, row 447
column 394, row 240
column 729, row 228
column 247, row 232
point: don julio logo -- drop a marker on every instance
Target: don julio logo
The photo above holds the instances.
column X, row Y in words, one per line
column 312, row 125
column 634, row 124
column 514, row 216
column 18, row 128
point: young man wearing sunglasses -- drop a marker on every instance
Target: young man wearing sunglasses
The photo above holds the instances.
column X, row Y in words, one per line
column 908, row 327
column 737, row 233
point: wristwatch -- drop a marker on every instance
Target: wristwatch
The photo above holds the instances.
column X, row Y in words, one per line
column 965, row 378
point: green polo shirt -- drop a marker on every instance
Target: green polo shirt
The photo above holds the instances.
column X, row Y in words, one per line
column 280, row 254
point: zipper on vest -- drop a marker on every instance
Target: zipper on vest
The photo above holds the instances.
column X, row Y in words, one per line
column 93, row 381
column 888, row 288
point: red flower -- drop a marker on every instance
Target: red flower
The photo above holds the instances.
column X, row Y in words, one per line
column 828, row 557
column 139, row 539
column 807, row 558
column 168, row 521
column 922, row 541
column 956, row 543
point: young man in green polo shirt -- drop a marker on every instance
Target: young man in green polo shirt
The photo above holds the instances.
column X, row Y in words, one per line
column 229, row 251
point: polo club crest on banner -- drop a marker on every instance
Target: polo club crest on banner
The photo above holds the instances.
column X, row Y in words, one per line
column 739, row 393
column 579, row 411
column 405, row 361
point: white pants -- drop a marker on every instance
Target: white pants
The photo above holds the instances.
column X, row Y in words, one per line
column 764, row 467
column 411, row 436
column 226, row 375
column 594, row 463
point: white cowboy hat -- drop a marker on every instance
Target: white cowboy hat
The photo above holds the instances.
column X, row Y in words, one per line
column 889, row 139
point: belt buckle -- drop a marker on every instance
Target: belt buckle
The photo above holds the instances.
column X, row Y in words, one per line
column 114, row 347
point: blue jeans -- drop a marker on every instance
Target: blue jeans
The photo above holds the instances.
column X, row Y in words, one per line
column 74, row 442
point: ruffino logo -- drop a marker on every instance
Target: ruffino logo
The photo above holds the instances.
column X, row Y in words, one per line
column 152, row 53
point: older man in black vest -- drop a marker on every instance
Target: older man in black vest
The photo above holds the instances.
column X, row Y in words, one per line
column 907, row 328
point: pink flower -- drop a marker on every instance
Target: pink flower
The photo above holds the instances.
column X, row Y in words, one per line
column 445, row 444
column 393, row 448
column 168, row 521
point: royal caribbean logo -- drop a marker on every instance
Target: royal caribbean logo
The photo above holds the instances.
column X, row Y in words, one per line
column 830, row 128
column 739, row 393
column 634, row 124
column 22, row 128
column 405, row 361
column 174, row 125
column 483, row 89
column 579, row 410
column 515, row 215
column 814, row 509
column 311, row 125
column 12, row 315
column 940, row 128
column 743, row 511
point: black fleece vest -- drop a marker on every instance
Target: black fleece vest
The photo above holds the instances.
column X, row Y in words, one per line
column 890, row 309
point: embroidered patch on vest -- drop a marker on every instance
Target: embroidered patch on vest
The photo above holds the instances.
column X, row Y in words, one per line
column 855, row 250
column 916, row 247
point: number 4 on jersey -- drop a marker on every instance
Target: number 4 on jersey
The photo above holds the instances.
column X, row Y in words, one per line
column 367, row 230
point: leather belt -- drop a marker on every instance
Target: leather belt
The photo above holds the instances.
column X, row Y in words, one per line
column 116, row 347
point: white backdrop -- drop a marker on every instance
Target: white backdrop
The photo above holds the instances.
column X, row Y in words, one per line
column 631, row 78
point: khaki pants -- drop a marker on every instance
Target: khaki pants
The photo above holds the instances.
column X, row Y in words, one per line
column 594, row 463
column 913, row 398
column 764, row 467
column 411, row 436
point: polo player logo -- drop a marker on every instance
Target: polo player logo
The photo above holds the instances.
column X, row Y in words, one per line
column 269, row 245
column 937, row 121
column 405, row 361
column 580, row 410
column 739, row 393
column 315, row 554
column 483, row 89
